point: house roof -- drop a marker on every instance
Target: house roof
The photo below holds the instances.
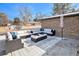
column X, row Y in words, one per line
column 56, row 16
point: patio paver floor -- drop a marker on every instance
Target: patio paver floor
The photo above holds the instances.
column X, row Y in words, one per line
column 52, row 46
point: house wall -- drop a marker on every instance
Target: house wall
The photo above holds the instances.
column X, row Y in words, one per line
column 71, row 26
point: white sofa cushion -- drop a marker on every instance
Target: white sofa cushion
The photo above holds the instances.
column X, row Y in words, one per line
column 17, row 35
column 23, row 33
column 20, row 32
column 9, row 36
column 47, row 30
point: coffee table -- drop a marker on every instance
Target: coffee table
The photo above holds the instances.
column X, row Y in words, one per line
column 38, row 37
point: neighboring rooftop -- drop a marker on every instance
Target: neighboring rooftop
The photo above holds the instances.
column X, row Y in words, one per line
column 56, row 16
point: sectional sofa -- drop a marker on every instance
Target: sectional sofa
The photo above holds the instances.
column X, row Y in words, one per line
column 28, row 33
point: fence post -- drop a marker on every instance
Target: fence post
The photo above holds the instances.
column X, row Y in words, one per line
column 61, row 25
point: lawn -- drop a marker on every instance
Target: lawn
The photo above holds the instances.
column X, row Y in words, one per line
column 6, row 29
column 2, row 29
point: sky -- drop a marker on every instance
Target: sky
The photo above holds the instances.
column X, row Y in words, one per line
column 11, row 9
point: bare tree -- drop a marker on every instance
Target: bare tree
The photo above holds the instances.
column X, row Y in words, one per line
column 61, row 8
column 16, row 21
column 25, row 14
column 3, row 19
column 39, row 16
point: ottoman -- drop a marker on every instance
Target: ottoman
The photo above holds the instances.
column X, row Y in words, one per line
column 38, row 37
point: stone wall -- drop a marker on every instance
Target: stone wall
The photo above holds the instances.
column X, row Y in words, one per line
column 71, row 26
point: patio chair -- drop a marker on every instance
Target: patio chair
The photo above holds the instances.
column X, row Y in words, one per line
column 12, row 44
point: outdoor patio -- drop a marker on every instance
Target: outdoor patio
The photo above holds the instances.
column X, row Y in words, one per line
column 52, row 46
